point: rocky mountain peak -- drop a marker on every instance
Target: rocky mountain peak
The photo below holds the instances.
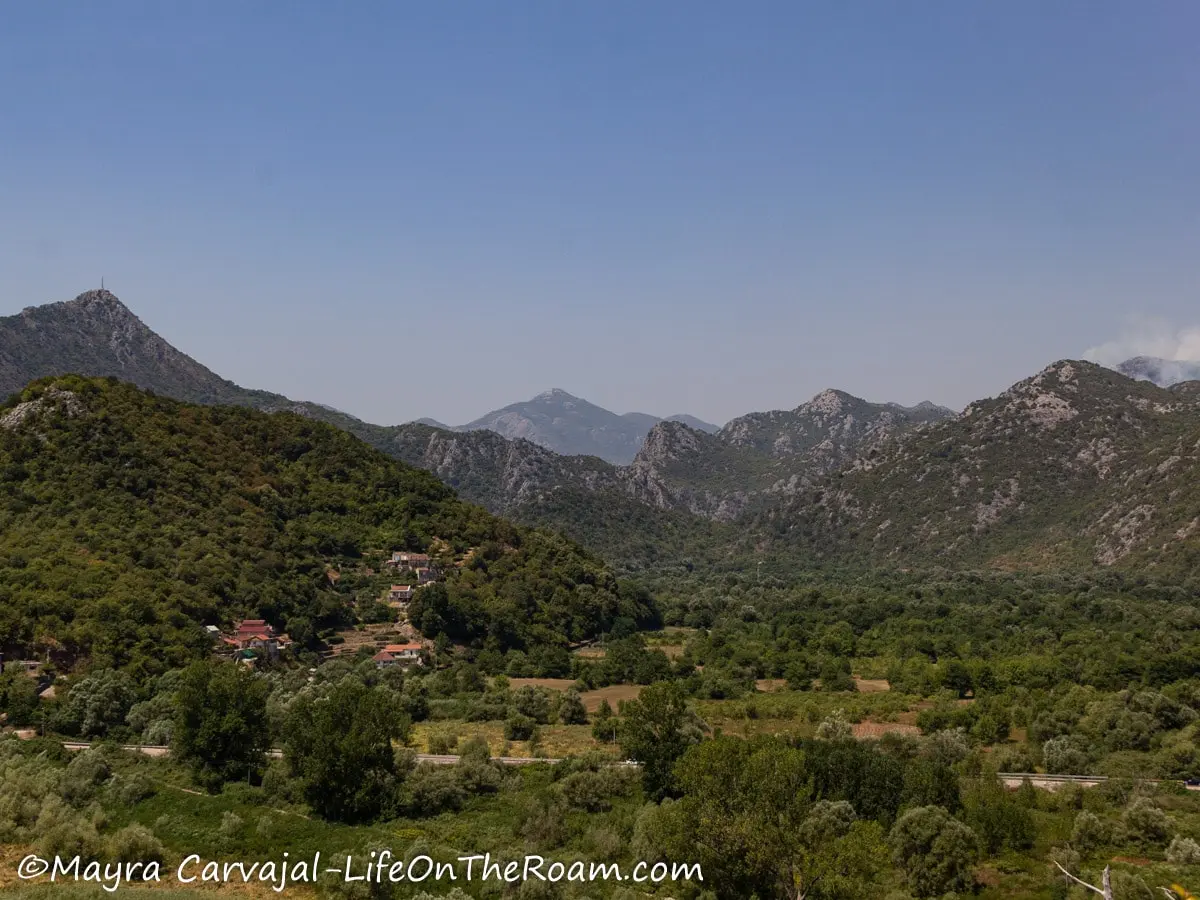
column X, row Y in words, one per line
column 101, row 297
column 829, row 402
column 668, row 441
column 555, row 395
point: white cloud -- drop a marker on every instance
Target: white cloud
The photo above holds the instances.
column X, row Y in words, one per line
column 1147, row 336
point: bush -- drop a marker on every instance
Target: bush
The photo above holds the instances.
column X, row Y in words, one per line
column 442, row 743
column 835, row 727
column 129, row 790
column 86, row 772
column 279, row 785
column 232, row 827
column 1183, row 852
column 533, row 703
column 434, row 789
column 571, row 710
column 519, row 727
column 135, row 843
column 70, row 838
column 1089, row 833
column 589, row 791
column 1145, row 823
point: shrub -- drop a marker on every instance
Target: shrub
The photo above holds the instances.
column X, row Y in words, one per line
column 1183, row 852
column 435, row 789
column 835, row 727
column 1062, row 757
column 442, row 743
column 519, row 727
column 533, row 703
column 135, row 843
column 86, row 772
column 1145, row 823
column 571, row 710
column 1089, row 833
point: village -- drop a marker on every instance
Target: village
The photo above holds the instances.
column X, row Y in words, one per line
column 397, row 644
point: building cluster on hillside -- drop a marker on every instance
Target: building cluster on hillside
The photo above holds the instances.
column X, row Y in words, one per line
column 252, row 638
column 426, row 570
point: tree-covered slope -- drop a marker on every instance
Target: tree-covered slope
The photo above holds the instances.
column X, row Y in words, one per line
column 1075, row 467
column 127, row 521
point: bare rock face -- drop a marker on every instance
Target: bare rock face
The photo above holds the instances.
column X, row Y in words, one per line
column 1077, row 465
column 830, row 428
column 96, row 335
column 50, row 401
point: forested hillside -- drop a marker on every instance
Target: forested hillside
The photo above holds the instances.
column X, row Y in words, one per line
column 128, row 521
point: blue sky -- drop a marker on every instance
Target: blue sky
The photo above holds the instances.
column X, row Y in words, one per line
column 409, row 209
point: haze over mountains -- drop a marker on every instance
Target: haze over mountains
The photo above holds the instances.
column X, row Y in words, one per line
column 1077, row 466
column 571, row 426
column 1163, row 372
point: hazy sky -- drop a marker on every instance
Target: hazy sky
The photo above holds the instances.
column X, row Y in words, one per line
column 410, row 209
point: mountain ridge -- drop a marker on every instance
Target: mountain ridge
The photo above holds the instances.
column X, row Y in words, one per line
column 1054, row 471
column 571, row 426
column 1077, row 466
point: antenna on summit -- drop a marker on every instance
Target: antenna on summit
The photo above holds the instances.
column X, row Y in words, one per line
column 101, row 282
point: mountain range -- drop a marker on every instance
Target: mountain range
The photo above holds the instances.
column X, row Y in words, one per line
column 1054, row 471
column 571, row 426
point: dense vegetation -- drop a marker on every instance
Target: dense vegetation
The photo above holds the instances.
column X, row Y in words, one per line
column 128, row 521
column 800, row 811
column 826, row 734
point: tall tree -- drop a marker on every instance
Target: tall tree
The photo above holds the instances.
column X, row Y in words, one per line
column 936, row 851
column 339, row 747
column 221, row 722
column 656, row 729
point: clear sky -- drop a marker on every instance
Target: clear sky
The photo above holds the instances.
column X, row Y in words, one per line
column 437, row 208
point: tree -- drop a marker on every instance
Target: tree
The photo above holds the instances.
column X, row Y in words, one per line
column 571, row 710
column 928, row 782
column 221, row 722
column 742, row 807
column 1062, row 757
column 1146, row 823
column 656, row 729
column 935, row 851
column 340, row 749
column 746, row 816
column 98, row 702
column 18, row 695
column 604, row 724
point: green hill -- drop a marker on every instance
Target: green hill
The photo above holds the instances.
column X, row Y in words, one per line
column 128, row 521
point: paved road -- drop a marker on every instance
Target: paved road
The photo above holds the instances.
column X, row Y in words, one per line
column 1054, row 782
column 436, row 759
column 1010, row 779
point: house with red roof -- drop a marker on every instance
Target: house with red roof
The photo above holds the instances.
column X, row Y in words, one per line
column 399, row 655
column 256, row 635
